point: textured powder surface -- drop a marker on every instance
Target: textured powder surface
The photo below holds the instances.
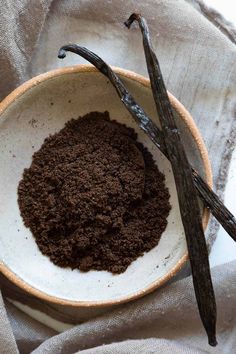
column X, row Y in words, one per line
column 93, row 197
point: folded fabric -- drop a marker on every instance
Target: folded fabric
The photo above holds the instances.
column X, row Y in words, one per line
column 163, row 322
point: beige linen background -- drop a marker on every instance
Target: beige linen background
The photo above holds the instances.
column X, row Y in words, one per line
column 198, row 63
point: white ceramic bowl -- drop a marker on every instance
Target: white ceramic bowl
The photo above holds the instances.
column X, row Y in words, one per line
column 42, row 106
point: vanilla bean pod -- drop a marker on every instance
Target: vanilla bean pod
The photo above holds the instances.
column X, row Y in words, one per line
column 211, row 200
column 187, row 195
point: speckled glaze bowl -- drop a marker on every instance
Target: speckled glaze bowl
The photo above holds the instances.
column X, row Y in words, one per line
column 42, row 106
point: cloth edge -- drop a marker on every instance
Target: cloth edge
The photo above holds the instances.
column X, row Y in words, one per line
column 217, row 19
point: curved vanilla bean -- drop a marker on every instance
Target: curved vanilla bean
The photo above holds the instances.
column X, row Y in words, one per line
column 189, row 208
column 211, row 200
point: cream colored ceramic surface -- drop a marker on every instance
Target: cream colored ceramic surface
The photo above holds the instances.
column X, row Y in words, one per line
column 27, row 116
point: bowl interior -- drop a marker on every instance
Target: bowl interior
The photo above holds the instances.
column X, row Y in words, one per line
column 44, row 109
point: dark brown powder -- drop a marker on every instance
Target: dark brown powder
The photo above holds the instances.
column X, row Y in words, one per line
column 93, row 197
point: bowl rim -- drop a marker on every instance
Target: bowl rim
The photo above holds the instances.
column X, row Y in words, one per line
column 189, row 122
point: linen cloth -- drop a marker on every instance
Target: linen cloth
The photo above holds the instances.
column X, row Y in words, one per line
column 198, row 64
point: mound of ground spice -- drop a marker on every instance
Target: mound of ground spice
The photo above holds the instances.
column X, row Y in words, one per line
column 93, row 196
